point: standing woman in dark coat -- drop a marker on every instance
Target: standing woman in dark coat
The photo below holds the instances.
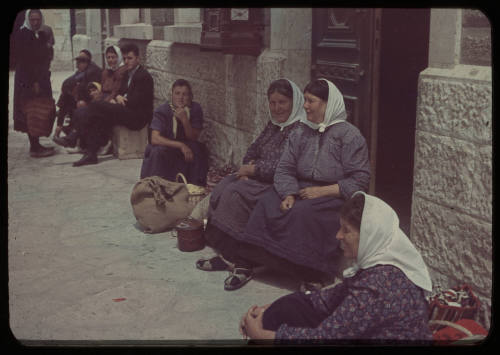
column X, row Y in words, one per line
column 33, row 55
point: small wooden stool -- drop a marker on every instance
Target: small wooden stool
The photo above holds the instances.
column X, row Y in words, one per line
column 129, row 144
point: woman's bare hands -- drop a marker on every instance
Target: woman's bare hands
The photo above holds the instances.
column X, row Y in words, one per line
column 121, row 100
column 81, row 104
column 287, row 203
column 245, row 171
column 308, row 193
column 251, row 326
column 181, row 114
column 188, row 153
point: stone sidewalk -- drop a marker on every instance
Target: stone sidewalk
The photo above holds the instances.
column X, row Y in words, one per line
column 80, row 269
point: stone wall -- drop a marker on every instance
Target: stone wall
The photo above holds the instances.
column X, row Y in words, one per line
column 476, row 38
column 59, row 20
column 230, row 88
column 452, row 190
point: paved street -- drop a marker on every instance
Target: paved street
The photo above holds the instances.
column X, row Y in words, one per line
column 81, row 269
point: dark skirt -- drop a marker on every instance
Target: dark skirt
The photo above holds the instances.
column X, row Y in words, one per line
column 166, row 162
column 295, row 310
column 23, row 90
column 304, row 235
column 231, row 202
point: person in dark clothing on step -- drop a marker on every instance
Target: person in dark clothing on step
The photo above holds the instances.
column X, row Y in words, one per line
column 74, row 89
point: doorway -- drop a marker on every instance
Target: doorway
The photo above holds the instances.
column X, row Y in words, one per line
column 404, row 52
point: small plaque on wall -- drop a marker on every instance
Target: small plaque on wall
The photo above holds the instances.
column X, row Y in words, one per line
column 232, row 31
column 239, row 14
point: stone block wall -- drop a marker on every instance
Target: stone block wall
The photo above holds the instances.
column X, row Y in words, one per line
column 59, row 21
column 230, row 88
column 452, row 189
column 476, row 38
column 80, row 42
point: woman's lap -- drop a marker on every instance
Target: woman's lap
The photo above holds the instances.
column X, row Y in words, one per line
column 167, row 162
column 232, row 201
column 295, row 310
column 304, row 235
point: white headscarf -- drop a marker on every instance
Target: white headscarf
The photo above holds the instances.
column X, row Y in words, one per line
column 120, row 58
column 335, row 109
column 27, row 24
column 298, row 112
column 382, row 242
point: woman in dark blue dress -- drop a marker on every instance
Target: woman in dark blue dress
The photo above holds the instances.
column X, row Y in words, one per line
column 174, row 146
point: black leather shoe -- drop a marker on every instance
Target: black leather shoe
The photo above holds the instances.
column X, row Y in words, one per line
column 87, row 159
column 67, row 141
column 42, row 152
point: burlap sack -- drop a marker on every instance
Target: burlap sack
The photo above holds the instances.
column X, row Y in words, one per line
column 158, row 203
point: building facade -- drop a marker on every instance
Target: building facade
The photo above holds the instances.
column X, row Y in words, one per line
column 417, row 82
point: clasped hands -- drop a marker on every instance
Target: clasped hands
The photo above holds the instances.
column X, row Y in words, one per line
column 251, row 326
column 306, row 193
column 119, row 99
column 246, row 170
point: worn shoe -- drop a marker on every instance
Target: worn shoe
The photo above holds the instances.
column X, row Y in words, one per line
column 214, row 264
column 87, row 159
column 67, row 141
column 238, row 278
column 76, row 149
column 106, row 149
column 42, row 152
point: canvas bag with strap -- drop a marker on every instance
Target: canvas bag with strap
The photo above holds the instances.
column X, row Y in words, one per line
column 159, row 203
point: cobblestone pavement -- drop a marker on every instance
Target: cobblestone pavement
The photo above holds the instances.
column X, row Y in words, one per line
column 80, row 269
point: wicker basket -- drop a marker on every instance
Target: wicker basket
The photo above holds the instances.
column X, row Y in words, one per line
column 196, row 193
column 40, row 116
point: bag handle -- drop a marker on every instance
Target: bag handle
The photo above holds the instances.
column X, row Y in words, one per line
column 182, row 177
column 453, row 325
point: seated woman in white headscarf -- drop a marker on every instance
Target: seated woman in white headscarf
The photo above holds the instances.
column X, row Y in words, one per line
column 234, row 197
column 113, row 72
column 323, row 164
column 381, row 298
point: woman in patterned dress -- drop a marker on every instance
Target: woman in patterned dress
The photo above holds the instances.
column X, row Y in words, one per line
column 234, row 197
column 381, row 299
